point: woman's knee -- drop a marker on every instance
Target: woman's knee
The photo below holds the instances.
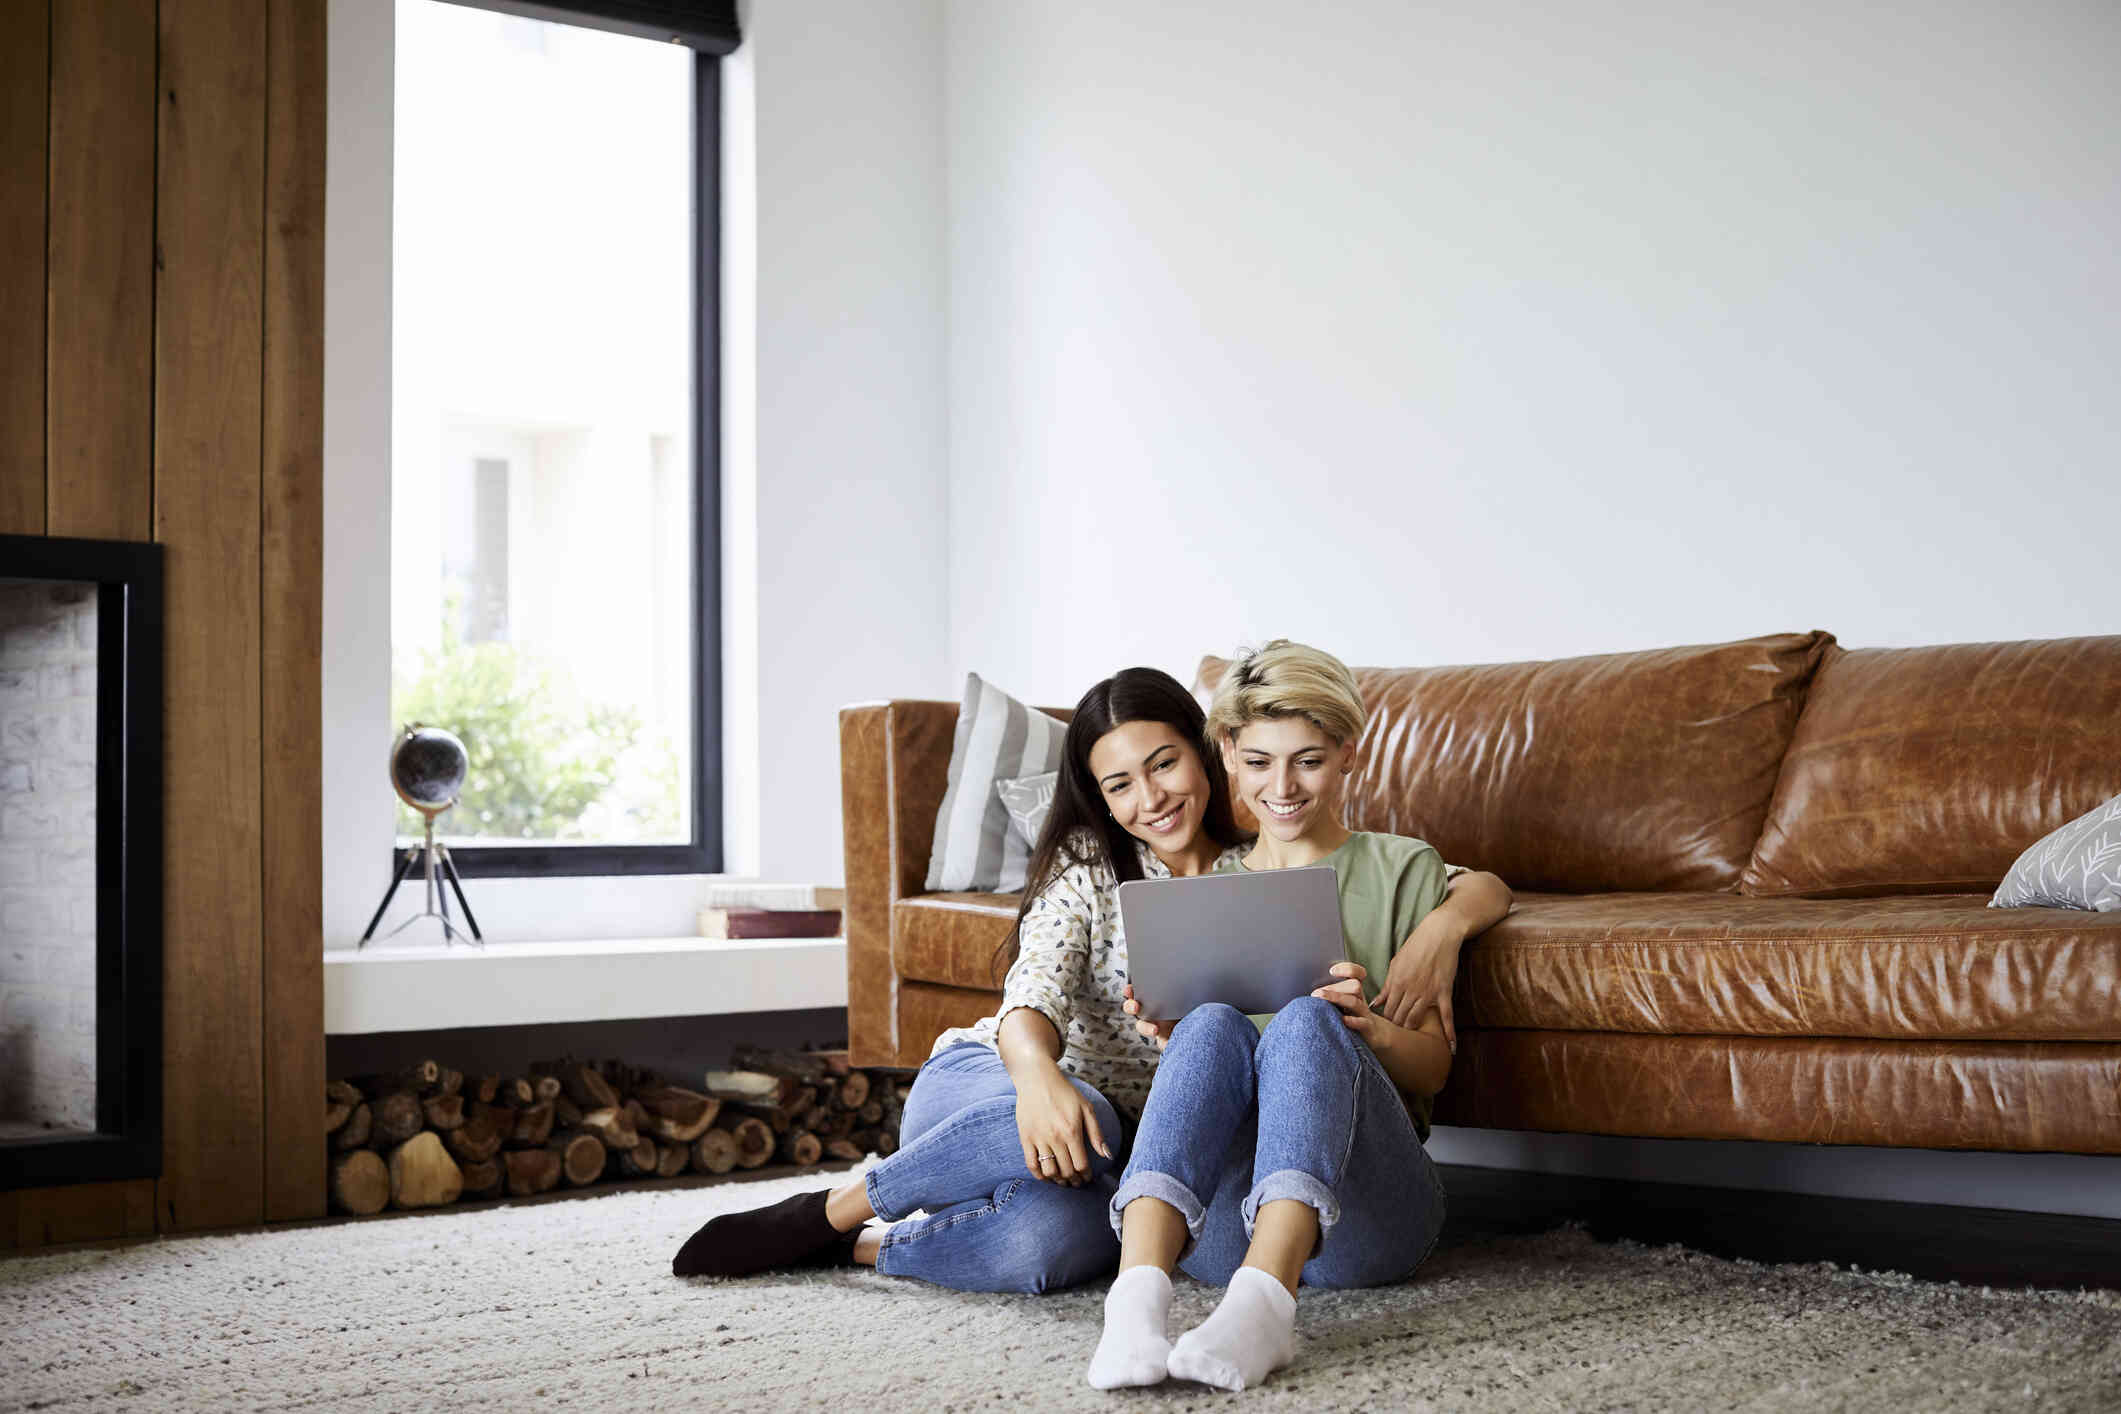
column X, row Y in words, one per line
column 1310, row 1021
column 1214, row 1026
column 1050, row 1237
column 1108, row 1126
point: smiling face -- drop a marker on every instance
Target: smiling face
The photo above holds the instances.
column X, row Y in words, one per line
column 1290, row 773
column 1151, row 779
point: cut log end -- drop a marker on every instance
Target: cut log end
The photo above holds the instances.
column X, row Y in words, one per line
column 638, row 1161
column 422, row 1175
column 354, row 1133
column 444, row 1112
column 483, row 1178
column 581, row 1157
column 360, row 1183
column 714, row 1151
column 531, row 1171
column 754, row 1141
column 398, row 1117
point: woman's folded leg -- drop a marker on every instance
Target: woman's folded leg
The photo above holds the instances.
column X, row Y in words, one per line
column 958, row 1145
column 1027, row 1235
column 1335, row 1134
column 1200, row 1105
column 958, row 1140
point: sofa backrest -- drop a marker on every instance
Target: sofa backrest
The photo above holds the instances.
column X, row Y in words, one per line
column 1627, row 771
column 1929, row 770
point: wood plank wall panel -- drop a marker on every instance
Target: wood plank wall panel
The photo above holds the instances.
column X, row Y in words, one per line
column 208, row 409
column 292, row 609
column 211, row 369
column 80, row 1212
column 25, row 86
column 100, row 258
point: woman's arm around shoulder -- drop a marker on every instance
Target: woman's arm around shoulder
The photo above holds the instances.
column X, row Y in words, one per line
column 1416, row 1057
column 1425, row 966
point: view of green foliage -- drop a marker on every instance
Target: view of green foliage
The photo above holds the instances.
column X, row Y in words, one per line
column 537, row 769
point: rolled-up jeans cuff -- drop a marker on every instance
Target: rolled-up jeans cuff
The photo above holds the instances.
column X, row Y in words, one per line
column 1150, row 1184
column 1292, row 1183
column 872, row 1185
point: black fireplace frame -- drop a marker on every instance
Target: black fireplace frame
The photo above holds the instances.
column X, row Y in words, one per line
column 127, row 1142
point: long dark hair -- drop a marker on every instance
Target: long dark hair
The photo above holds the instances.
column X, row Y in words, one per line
column 1079, row 829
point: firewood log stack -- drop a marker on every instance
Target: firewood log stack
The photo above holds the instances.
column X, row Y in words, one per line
column 428, row 1135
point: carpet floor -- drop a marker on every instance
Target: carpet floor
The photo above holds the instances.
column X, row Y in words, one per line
column 571, row 1304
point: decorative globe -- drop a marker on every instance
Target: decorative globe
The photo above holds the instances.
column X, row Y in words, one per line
column 427, row 768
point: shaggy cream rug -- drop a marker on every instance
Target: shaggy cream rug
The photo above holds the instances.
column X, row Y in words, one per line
column 571, row 1305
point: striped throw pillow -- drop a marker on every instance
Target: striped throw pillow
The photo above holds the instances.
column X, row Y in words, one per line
column 997, row 738
column 1029, row 800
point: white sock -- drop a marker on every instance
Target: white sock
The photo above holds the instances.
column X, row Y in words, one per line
column 1134, row 1346
column 1250, row 1335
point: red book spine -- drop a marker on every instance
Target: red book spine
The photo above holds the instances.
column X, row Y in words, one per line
column 778, row 923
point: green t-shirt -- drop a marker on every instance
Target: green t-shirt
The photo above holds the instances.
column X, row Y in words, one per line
column 1387, row 884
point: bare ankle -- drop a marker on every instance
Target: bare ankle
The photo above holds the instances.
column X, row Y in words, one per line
column 847, row 1207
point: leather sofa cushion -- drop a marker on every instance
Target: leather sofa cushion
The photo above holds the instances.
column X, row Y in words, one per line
column 1904, row 968
column 1912, row 1094
column 1644, row 770
column 951, row 939
column 926, row 1011
column 1929, row 770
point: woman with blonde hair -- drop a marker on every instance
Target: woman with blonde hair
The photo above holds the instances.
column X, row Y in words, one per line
column 1281, row 1150
column 1016, row 1127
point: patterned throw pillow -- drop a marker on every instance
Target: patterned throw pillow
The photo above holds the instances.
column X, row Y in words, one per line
column 1028, row 799
column 997, row 738
column 2078, row 866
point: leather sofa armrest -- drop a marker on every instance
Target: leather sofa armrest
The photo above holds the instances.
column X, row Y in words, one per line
column 894, row 767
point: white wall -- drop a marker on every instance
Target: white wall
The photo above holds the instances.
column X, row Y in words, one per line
column 1464, row 332
column 852, row 501
column 1468, row 332
column 834, row 498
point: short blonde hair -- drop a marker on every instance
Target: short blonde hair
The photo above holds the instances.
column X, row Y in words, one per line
column 1285, row 679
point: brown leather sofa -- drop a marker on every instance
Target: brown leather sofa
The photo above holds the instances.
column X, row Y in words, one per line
column 1751, row 882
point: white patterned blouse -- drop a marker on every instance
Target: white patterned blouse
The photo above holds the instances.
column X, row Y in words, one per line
column 1070, row 965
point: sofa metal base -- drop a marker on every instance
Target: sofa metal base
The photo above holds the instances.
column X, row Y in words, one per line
column 1938, row 1242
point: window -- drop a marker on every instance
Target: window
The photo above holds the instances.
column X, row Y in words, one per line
column 554, row 436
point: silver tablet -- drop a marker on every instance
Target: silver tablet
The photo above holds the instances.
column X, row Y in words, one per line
column 1257, row 941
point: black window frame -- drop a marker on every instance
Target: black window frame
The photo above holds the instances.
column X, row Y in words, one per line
column 703, row 854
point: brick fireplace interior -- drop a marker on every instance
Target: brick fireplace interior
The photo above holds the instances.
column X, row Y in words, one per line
column 47, row 858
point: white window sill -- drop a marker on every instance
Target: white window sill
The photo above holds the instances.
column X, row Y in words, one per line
column 433, row 988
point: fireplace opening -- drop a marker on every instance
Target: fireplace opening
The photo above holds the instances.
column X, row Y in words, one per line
column 80, row 860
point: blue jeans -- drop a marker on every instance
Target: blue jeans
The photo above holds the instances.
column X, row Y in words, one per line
column 990, row 1225
column 1238, row 1118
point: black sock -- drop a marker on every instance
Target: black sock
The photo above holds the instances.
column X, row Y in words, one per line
column 838, row 1252
column 781, row 1235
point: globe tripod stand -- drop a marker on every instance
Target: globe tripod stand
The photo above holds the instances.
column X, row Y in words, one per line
column 439, row 866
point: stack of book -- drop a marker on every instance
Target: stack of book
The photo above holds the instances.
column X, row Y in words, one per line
column 747, row 908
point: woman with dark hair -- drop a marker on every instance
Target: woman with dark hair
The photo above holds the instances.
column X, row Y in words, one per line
column 1016, row 1126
